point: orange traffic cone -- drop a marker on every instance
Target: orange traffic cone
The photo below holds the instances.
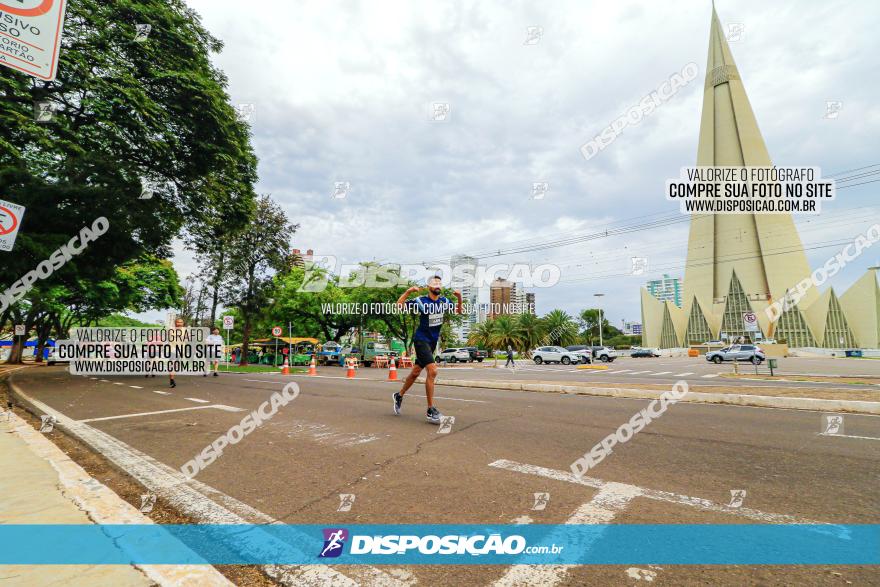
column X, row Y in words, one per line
column 284, row 368
column 350, row 373
column 312, row 369
column 392, row 371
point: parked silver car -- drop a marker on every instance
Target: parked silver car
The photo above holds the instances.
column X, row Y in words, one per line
column 555, row 354
column 737, row 352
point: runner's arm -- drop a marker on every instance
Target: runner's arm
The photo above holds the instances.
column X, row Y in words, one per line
column 402, row 299
column 457, row 295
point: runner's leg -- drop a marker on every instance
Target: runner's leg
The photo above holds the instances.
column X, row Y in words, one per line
column 410, row 379
column 429, row 383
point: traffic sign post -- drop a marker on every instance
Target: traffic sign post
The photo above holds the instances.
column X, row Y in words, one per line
column 10, row 220
column 32, row 36
column 276, row 332
column 228, row 322
column 750, row 321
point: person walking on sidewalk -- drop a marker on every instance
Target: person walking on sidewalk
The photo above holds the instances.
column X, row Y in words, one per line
column 510, row 357
column 432, row 309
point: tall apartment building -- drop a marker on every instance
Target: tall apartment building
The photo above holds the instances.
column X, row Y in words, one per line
column 667, row 289
column 507, row 297
column 469, row 294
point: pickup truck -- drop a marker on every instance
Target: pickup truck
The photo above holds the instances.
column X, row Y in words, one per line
column 477, row 354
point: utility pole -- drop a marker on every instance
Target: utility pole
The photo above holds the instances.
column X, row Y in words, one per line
column 599, row 295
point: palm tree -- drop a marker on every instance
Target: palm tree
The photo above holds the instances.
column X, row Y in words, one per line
column 482, row 335
column 531, row 332
column 505, row 333
column 561, row 328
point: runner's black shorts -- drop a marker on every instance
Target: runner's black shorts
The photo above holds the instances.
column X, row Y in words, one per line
column 424, row 352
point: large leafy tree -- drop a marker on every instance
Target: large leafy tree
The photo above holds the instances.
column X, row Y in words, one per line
column 257, row 253
column 124, row 112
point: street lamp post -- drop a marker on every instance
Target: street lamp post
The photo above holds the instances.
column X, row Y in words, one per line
column 599, row 295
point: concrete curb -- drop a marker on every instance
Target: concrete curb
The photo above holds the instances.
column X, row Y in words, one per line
column 736, row 399
column 103, row 506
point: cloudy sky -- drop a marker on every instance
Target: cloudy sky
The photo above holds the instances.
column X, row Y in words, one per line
column 343, row 92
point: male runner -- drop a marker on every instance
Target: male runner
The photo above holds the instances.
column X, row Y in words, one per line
column 431, row 309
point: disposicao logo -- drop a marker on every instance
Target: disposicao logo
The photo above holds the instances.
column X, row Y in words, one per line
column 334, row 541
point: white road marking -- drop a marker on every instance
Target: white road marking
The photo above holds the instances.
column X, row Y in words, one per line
column 210, row 506
column 663, row 373
column 683, row 374
column 117, row 383
column 848, row 436
column 135, row 387
column 197, row 400
column 162, row 392
column 214, row 407
column 638, row 574
column 104, row 380
column 710, row 375
column 623, row 371
column 639, row 372
column 611, row 499
column 454, row 399
column 665, row 496
column 325, row 434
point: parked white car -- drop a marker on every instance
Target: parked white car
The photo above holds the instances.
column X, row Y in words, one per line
column 555, row 354
column 454, row 356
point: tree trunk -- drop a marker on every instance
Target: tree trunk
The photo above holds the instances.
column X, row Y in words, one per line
column 245, row 340
column 215, row 294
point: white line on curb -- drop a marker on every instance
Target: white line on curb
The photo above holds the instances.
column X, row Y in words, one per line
column 210, row 506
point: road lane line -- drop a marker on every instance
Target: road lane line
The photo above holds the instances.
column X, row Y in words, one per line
column 848, row 436
column 623, row 371
column 135, row 387
column 663, row 373
column 454, row 399
column 203, row 503
column 118, row 383
column 683, row 374
column 665, row 496
column 214, row 407
column 611, row 499
column 197, row 400
column 710, row 375
column 639, row 372
column 162, row 392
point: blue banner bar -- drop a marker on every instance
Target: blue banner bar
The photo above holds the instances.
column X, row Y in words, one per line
column 615, row 544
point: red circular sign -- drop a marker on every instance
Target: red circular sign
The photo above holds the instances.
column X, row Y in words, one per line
column 4, row 230
column 42, row 7
column 276, row 331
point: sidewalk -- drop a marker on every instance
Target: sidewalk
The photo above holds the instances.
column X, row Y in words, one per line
column 42, row 485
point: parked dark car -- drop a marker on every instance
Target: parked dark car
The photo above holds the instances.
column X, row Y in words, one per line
column 477, row 354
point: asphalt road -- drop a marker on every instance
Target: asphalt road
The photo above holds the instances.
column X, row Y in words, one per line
column 340, row 437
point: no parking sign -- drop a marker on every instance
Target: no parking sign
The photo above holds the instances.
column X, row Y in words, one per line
column 228, row 322
column 32, row 36
column 10, row 221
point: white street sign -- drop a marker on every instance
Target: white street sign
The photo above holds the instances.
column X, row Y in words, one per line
column 10, row 220
column 276, row 331
column 19, row 330
column 228, row 321
column 32, row 36
column 750, row 321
